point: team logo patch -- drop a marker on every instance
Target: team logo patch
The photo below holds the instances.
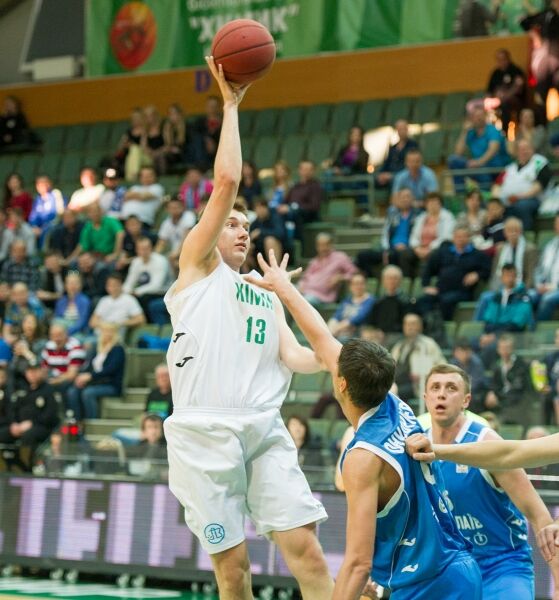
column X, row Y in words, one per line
column 215, row 533
column 480, row 539
column 40, row 402
column 462, row 468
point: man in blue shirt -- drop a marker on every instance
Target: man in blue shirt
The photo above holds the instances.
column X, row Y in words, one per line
column 421, row 180
column 488, row 507
column 396, row 509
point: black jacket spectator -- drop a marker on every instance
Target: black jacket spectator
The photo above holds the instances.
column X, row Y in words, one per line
column 66, row 235
column 395, row 160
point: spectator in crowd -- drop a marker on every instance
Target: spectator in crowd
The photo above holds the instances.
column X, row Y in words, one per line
column 148, row 275
column 474, row 218
column 117, row 307
column 154, row 142
column 206, row 131
column 134, row 229
column 396, row 232
column 518, row 251
column 473, row 18
column 353, row 310
column 89, row 193
column 538, row 474
column 62, row 357
column 6, row 236
column 551, row 391
column 524, row 181
column 174, row 229
column 528, row 131
column 420, row 179
column 94, row 275
column 177, row 147
column 511, row 391
column 159, row 400
column 48, row 205
column 267, row 231
column 74, row 307
column 508, row 84
column 281, row 182
column 21, row 230
column 21, row 303
column 464, row 357
column 152, row 446
column 15, row 195
column 131, row 144
column 194, row 187
column 352, row 158
column 429, row 231
column 458, row 267
column 101, row 376
column 546, row 277
column 395, row 159
column 493, row 233
column 34, row 414
column 19, row 267
column 306, row 196
column 392, row 305
column 308, row 449
column 484, row 143
column 66, row 235
column 250, row 187
column 112, row 198
column 326, row 271
column 4, row 298
column 27, row 348
column 144, row 198
column 101, row 236
column 15, row 133
column 415, row 355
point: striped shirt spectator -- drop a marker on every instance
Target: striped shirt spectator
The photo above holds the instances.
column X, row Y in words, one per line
column 62, row 355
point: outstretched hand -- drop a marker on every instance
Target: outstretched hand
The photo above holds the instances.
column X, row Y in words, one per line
column 548, row 541
column 232, row 94
column 276, row 276
column 419, row 447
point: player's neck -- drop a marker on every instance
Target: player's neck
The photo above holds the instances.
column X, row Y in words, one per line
column 446, row 434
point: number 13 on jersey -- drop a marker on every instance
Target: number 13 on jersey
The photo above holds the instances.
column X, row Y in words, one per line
column 256, row 331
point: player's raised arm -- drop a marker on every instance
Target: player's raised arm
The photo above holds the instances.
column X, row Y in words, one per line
column 490, row 455
column 198, row 253
column 277, row 279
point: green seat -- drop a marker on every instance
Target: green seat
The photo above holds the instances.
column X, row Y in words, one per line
column 545, row 331
column 246, row 121
column 511, row 432
column 140, row 363
column 464, row 311
column 398, row 108
column 53, row 138
column 7, row 166
column 49, row 164
column 266, row 151
column 98, row 135
column 290, row 120
column 327, row 310
column 344, row 116
column 544, row 237
column 320, row 428
column 453, row 107
column 247, row 146
column 407, row 283
column 432, row 146
column 265, row 122
column 317, row 118
column 76, row 137
column 372, row 285
column 470, row 329
column 136, row 333
column 451, row 139
column 370, row 114
column 293, row 150
column 70, row 167
column 320, row 148
column 308, row 387
column 450, row 330
column 117, row 130
column 426, row 109
column 93, row 158
column 337, row 431
column 340, row 210
column 27, row 167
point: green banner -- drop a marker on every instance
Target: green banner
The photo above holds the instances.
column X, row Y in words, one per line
column 153, row 35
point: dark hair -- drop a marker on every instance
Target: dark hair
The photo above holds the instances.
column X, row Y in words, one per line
column 463, row 343
column 433, row 195
column 153, row 418
column 260, row 201
column 7, row 192
column 115, row 275
column 445, row 369
column 508, row 267
column 474, row 192
column 305, row 424
column 144, row 238
column 368, row 369
column 495, row 200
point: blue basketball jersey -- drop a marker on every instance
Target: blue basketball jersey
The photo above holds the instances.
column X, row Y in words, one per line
column 483, row 512
column 416, row 537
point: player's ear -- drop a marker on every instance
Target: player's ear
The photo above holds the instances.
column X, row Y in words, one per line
column 342, row 384
column 467, row 400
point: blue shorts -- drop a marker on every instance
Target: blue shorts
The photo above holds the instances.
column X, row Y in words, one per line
column 461, row 580
column 500, row 579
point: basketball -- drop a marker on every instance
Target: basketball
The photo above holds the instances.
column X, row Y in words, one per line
column 245, row 49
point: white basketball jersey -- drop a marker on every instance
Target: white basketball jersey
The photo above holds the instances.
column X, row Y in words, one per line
column 224, row 352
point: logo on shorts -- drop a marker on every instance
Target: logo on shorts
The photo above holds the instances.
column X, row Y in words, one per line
column 214, row 533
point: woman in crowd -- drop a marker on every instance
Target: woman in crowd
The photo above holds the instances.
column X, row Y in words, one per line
column 528, row 130
column 26, row 350
column 250, row 187
column 74, row 308
column 475, row 216
column 15, row 196
column 175, row 137
column 307, row 448
column 281, row 183
column 352, row 159
column 352, row 311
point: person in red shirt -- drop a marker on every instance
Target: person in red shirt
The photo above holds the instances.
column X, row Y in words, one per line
column 15, row 195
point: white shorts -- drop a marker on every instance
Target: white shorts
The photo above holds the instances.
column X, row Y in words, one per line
column 225, row 466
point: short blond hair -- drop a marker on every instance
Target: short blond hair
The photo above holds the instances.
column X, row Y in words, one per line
column 445, row 369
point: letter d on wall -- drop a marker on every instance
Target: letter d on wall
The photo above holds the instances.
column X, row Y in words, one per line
column 202, row 81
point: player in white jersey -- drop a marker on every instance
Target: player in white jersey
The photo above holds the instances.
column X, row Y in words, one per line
column 230, row 360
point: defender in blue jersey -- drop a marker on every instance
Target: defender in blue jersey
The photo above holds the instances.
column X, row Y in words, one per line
column 488, row 507
column 399, row 527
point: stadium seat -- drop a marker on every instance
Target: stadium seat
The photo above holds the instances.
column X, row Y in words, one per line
column 141, row 362
column 464, row 311
column 93, row 158
column 49, row 164
column 543, row 237
column 70, row 166
column 247, row 145
column 117, row 130
column 372, row 285
column 27, row 167
column 290, row 120
column 338, row 429
column 343, row 117
column 320, row 148
column 53, row 138
column 246, row 121
column 370, row 114
column 511, row 432
column 453, row 107
column 317, row 119
column 432, row 146
column 450, row 328
column 320, row 428
column 266, row 151
column 136, row 333
column 469, row 329
column 426, row 109
column 292, row 150
column 98, row 136
column 545, row 331
column 307, row 388
column 398, row 108
column 340, row 210
column 76, row 137
column 265, row 122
